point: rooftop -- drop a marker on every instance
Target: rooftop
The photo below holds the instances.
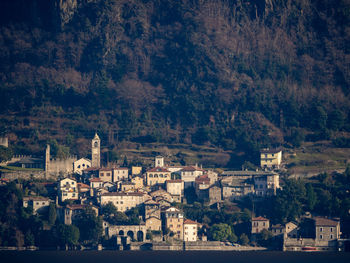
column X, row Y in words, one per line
column 124, row 194
column 190, row 222
column 276, row 150
column 320, row 221
column 158, row 169
column 259, row 218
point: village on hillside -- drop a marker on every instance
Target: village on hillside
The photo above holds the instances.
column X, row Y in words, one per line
column 143, row 207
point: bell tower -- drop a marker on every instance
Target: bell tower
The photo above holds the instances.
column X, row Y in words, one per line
column 95, row 151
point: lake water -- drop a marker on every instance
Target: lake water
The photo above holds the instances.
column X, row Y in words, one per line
column 171, row 257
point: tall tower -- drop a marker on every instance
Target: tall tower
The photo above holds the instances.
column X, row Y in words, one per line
column 95, row 151
column 47, row 158
column 159, row 161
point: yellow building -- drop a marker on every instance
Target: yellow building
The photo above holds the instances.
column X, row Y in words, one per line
column 105, row 174
column 136, row 170
column 270, row 158
column 138, row 181
column 157, row 175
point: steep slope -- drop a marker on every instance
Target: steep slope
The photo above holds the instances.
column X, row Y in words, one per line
column 235, row 74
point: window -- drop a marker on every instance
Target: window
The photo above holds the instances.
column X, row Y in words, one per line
column 331, row 236
column 331, row 229
column 321, row 237
column 321, row 229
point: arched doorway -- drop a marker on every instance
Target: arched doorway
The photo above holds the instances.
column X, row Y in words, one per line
column 131, row 235
column 139, row 236
column 121, row 233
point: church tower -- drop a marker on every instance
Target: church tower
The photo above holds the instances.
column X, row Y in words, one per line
column 95, row 151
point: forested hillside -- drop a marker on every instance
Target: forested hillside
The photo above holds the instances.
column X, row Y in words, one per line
column 235, row 74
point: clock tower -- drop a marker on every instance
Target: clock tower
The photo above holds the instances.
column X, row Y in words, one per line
column 95, row 151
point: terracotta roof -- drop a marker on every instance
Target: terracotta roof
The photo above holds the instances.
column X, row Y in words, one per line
column 158, row 169
column 105, row 169
column 319, row 221
column 81, row 185
column 190, row 222
column 95, row 180
column 276, row 150
column 202, row 179
column 259, row 218
column 120, row 168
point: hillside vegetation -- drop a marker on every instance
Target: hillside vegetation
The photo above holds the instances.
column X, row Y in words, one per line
column 238, row 75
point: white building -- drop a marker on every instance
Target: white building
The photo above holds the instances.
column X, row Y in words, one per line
column 68, row 189
column 189, row 175
column 80, row 165
column 190, row 230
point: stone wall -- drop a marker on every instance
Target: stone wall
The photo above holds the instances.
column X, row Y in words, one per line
column 26, row 175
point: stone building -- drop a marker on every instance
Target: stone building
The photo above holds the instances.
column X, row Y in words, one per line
column 39, row 204
column 326, row 229
column 174, row 220
column 152, row 216
column 123, row 201
column 259, row 223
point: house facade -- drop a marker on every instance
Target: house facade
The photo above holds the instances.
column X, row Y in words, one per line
column 190, row 230
column 326, row 229
column 176, row 189
column 80, row 165
column 120, row 174
column 174, row 221
column 270, row 158
column 39, row 204
column 259, row 224
column 122, row 201
column 68, row 189
column 189, row 175
column 157, row 175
